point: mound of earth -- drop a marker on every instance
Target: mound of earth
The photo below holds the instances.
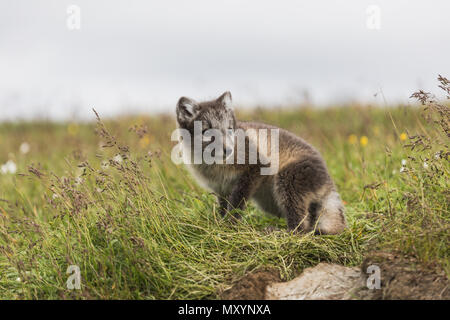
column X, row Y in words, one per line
column 252, row 286
column 402, row 277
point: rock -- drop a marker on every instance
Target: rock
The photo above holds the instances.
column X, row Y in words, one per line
column 324, row 281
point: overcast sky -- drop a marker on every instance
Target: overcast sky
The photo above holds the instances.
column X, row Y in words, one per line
column 141, row 56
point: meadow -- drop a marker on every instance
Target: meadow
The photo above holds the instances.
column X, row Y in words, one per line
column 105, row 196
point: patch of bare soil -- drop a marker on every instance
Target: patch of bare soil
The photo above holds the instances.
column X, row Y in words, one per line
column 252, row 286
column 402, row 277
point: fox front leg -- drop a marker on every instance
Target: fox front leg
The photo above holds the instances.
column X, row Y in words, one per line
column 223, row 205
column 241, row 192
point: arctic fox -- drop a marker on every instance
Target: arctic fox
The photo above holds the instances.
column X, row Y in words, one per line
column 301, row 190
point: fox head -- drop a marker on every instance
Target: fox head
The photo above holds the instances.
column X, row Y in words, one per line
column 209, row 121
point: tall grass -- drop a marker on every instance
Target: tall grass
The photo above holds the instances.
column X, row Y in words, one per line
column 105, row 196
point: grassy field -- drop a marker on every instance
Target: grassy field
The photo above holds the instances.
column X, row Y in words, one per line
column 106, row 197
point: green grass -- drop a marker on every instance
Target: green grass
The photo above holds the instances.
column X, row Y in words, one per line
column 143, row 229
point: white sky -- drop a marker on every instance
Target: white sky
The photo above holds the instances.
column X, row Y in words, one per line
column 141, row 56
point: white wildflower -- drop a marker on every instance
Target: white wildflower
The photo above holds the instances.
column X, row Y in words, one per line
column 425, row 165
column 18, row 279
column 403, row 168
column 8, row 167
column 24, row 148
column 118, row 158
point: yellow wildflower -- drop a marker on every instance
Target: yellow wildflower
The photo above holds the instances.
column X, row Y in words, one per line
column 352, row 139
column 403, row 136
column 364, row 141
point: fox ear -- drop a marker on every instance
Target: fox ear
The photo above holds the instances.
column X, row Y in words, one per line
column 186, row 109
column 225, row 99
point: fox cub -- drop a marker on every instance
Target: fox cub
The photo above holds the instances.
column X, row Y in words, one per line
column 301, row 190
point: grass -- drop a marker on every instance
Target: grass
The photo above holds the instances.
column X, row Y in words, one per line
column 139, row 227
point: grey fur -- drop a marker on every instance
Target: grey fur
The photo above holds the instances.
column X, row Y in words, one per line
column 302, row 191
